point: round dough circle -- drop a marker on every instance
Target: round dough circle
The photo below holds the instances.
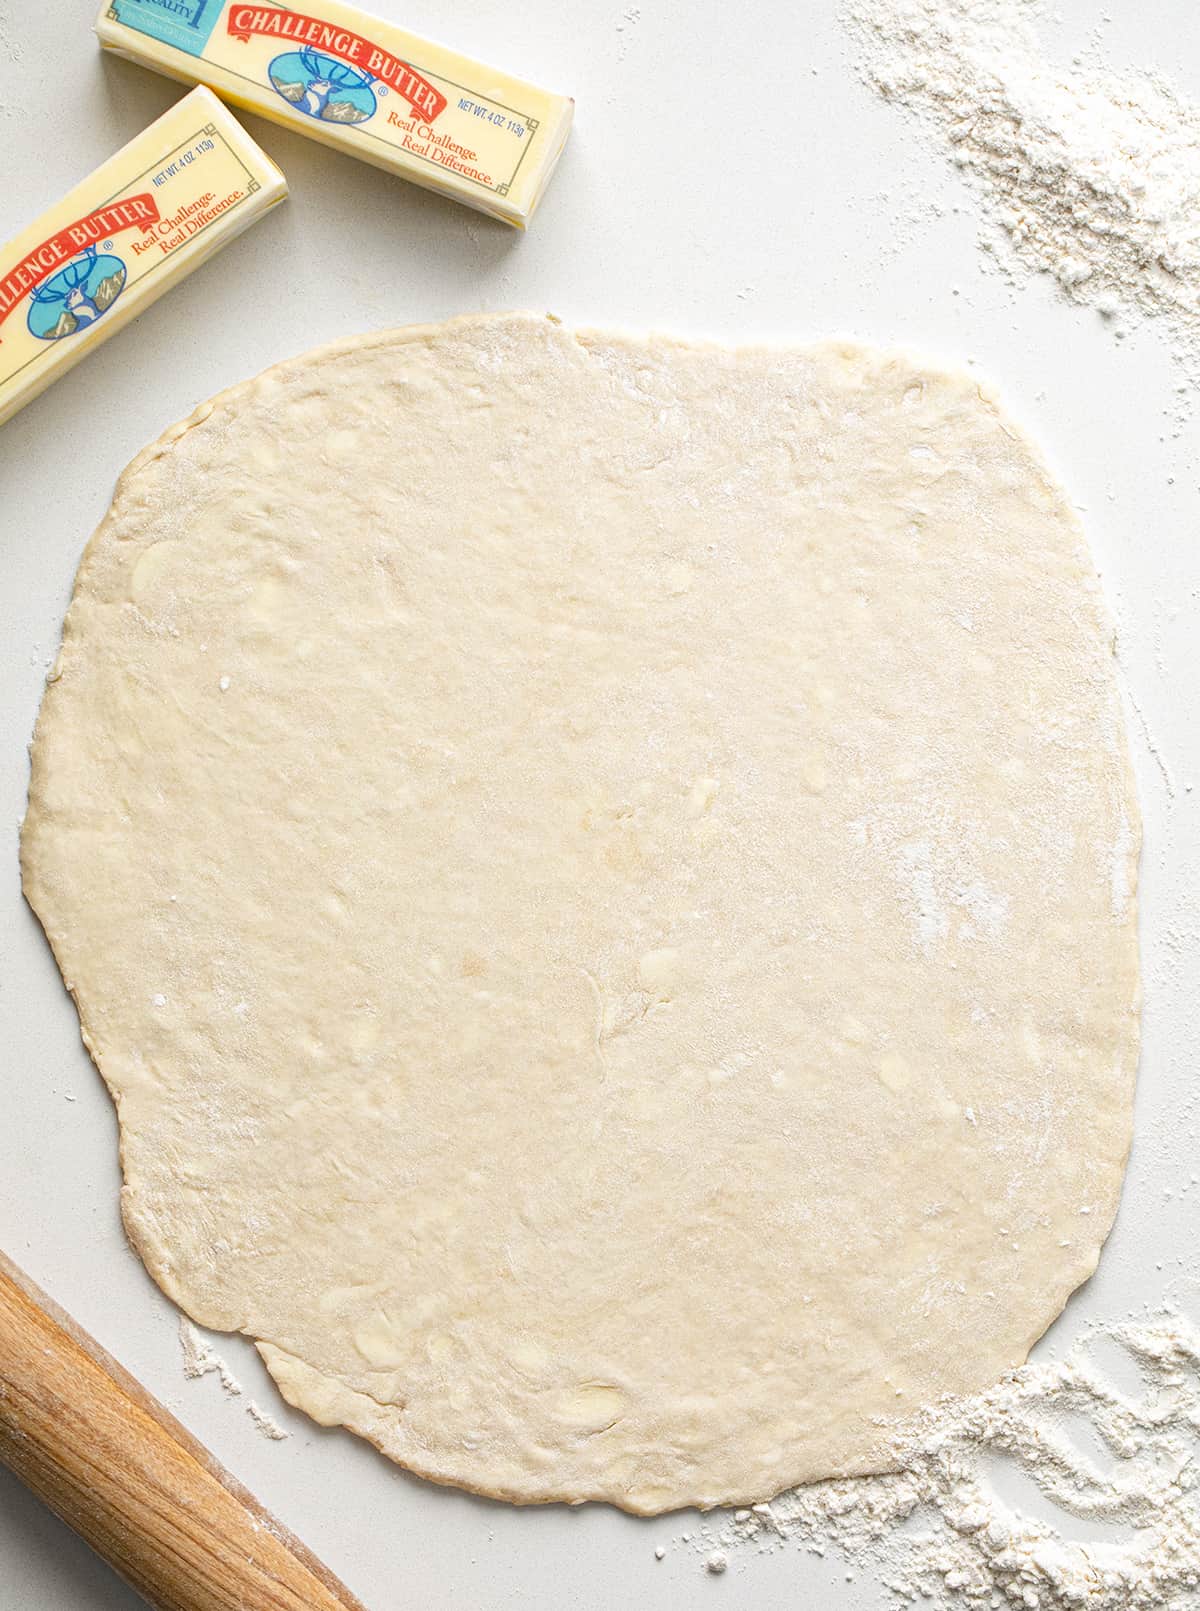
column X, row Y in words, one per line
column 599, row 873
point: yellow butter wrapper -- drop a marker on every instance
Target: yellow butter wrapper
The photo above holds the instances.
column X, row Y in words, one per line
column 169, row 199
column 367, row 87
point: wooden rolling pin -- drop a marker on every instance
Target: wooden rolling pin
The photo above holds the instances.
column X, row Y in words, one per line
column 122, row 1472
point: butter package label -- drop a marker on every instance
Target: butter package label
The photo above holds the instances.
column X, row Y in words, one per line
column 426, row 113
column 150, row 215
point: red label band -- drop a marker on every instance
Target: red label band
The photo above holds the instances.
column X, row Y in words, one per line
column 135, row 212
column 370, row 59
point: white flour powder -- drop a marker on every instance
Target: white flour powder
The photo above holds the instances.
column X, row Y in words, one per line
column 1093, row 176
column 200, row 1358
column 1118, row 1466
column 266, row 1424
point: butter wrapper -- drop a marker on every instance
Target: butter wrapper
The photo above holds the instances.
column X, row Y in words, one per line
column 373, row 90
column 167, row 201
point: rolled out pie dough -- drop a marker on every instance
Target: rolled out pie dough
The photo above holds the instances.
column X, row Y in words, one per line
column 599, row 873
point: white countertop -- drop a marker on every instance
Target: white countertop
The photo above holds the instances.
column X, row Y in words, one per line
column 728, row 176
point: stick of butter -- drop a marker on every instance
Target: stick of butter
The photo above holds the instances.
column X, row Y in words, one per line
column 169, row 199
column 367, row 87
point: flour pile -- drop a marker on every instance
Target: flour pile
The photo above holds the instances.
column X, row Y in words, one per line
column 1093, row 175
column 1113, row 1462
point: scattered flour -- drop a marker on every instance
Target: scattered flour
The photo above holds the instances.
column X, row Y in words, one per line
column 1092, row 176
column 626, row 24
column 200, row 1358
column 266, row 1424
column 1119, row 1468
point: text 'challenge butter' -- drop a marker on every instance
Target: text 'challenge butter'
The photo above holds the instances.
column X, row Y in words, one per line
column 152, row 213
column 375, row 91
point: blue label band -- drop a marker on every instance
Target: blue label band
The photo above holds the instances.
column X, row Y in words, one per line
column 186, row 24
